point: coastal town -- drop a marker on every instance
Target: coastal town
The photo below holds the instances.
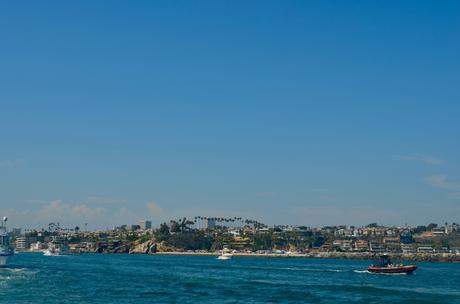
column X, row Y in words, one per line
column 210, row 235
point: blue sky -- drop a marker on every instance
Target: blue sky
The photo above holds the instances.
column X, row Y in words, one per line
column 289, row 112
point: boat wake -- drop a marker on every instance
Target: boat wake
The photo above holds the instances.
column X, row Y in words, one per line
column 374, row 273
column 325, row 270
column 308, row 269
column 361, row 271
column 392, row 274
column 55, row 255
column 8, row 274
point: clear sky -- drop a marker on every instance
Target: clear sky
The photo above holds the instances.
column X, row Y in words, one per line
column 289, row 112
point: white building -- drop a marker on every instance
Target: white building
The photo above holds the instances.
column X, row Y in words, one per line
column 376, row 247
column 438, row 231
column 425, row 249
column 346, row 245
column 23, row 243
column 407, row 248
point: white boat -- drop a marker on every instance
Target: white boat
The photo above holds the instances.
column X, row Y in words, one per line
column 56, row 247
column 5, row 249
column 49, row 252
column 225, row 255
column 55, row 251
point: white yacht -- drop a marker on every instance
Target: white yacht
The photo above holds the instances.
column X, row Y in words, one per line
column 225, row 255
column 5, row 248
column 57, row 246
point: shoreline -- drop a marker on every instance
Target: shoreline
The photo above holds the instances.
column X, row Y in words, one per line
column 443, row 257
column 439, row 257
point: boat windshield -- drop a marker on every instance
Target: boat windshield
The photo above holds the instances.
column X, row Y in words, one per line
column 383, row 261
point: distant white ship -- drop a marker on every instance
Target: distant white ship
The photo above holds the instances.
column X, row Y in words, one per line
column 225, row 255
column 56, row 247
column 5, row 248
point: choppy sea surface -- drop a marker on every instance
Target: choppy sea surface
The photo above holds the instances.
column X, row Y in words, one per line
column 93, row 278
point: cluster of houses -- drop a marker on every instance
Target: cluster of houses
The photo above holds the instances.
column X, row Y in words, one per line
column 395, row 239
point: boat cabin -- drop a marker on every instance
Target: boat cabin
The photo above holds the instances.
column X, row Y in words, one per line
column 384, row 261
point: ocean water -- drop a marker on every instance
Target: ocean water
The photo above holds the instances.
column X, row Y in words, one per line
column 93, row 278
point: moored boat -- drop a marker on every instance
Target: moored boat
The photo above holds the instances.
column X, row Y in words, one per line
column 225, row 255
column 384, row 265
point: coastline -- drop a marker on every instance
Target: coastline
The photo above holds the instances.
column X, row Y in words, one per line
column 435, row 257
column 442, row 257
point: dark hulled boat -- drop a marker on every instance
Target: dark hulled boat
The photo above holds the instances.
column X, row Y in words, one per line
column 384, row 265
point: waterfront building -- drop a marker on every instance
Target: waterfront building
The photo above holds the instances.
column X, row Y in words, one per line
column 23, row 243
column 20, row 243
column 439, row 231
column 392, row 244
column 239, row 243
column 82, row 247
column 88, row 246
column 376, row 247
column 108, row 245
column 408, row 248
column 391, row 240
column 361, row 245
column 425, row 249
column 345, row 245
column 443, row 250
